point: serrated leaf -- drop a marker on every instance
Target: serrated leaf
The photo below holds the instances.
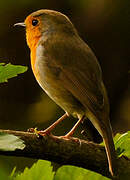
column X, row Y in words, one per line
column 122, row 144
column 9, row 142
column 76, row 173
column 8, row 71
column 41, row 170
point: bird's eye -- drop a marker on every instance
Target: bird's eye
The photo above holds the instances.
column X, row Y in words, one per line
column 34, row 22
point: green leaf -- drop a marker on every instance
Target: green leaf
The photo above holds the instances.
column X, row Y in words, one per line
column 42, row 170
column 3, row 175
column 13, row 172
column 122, row 144
column 8, row 71
column 9, row 142
column 76, row 173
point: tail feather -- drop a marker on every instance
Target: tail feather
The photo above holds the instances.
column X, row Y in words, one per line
column 104, row 128
column 110, row 148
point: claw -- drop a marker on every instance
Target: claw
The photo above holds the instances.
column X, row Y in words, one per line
column 44, row 133
column 39, row 133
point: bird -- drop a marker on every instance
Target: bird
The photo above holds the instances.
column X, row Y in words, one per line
column 68, row 71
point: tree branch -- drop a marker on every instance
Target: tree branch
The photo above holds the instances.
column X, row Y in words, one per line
column 71, row 152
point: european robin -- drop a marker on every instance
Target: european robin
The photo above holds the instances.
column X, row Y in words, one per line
column 68, row 71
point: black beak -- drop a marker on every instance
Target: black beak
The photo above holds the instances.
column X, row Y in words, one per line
column 20, row 24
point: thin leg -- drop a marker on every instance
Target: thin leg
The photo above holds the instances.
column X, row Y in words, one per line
column 71, row 132
column 51, row 127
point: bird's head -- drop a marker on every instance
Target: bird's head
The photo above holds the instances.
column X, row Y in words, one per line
column 43, row 22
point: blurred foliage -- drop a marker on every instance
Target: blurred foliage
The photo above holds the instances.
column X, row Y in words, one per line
column 43, row 170
column 104, row 25
column 122, row 144
column 35, row 109
column 40, row 170
column 8, row 71
column 3, row 175
column 76, row 173
column 9, row 142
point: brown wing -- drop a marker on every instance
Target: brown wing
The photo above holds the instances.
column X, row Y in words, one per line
column 82, row 89
column 79, row 71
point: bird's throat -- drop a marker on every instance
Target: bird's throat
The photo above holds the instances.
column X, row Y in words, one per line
column 32, row 41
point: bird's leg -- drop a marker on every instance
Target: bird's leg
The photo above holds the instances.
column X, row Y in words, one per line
column 71, row 132
column 51, row 127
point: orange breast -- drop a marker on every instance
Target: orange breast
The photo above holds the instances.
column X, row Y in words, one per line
column 33, row 35
column 33, row 59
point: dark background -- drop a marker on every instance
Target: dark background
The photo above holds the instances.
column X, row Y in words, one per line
column 103, row 24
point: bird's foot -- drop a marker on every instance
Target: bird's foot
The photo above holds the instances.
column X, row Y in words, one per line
column 41, row 133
